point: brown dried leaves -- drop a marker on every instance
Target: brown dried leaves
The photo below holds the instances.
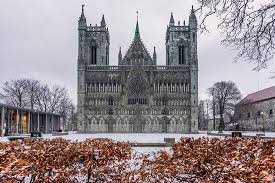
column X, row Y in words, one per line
column 103, row 160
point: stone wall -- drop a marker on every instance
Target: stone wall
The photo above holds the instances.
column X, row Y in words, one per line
column 257, row 116
column 129, row 124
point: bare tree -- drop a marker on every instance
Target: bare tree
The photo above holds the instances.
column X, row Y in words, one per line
column 214, row 108
column 33, row 94
column 58, row 97
column 14, row 92
column 65, row 109
column 42, row 99
column 32, row 89
column 202, row 116
column 227, row 94
column 247, row 25
column 55, row 100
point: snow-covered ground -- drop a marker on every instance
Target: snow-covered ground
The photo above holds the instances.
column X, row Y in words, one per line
column 127, row 137
column 139, row 138
column 4, row 139
column 250, row 133
column 142, row 150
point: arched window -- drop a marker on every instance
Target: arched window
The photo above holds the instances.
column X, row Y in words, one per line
column 182, row 59
column 111, row 101
column 93, row 49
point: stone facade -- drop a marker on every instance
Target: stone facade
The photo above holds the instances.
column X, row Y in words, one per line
column 257, row 111
column 138, row 95
column 257, row 116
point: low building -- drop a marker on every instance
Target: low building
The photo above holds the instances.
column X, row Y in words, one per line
column 14, row 120
column 256, row 111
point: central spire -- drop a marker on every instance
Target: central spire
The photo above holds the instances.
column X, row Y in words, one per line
column 137, row 35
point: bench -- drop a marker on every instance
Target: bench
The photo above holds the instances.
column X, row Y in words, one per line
column 260, row 134
column 13, row 138
column 59, row 133
column 236, row 134
column 36, row 134
column 169, row 141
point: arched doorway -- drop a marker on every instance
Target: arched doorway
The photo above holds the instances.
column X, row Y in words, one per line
column 165, row 122
column 137, row 122
column 110, row 123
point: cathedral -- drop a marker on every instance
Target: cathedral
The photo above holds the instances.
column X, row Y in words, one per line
column 137, row 95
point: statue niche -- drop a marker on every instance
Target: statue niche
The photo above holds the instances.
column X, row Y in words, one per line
column 137, row 87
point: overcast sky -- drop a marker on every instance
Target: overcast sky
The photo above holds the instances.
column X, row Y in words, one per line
column 38, row 39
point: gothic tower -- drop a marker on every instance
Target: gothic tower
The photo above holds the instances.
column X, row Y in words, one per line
column 178, row 43
column 97, row 44
column 193, row 71
column 94, row 42
column 82, row 27
column 93, row 49
column 181, row 49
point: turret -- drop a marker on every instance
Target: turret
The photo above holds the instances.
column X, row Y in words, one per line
column 193, row 72
column 82, row 27
column 82, row 20
column 119, row 57
column 193, row 35
column 155, row 56
column 193, row 20
column 102, row 23
column 172, row 21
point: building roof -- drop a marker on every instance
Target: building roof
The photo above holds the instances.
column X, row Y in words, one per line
column 25, row 109
column 258, row 96
column 137, row 51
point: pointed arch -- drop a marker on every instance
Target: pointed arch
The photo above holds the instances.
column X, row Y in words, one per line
column 173, row 126
column 93, row 52
column 118, row 127
column 128, row 126
column 148, row 125
column 182, row 51
column 102, row 126
column 94, row 124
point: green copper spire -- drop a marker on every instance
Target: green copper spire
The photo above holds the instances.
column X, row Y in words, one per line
column 137, row 35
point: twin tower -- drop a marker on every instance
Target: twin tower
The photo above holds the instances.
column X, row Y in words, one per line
column 137, row 95
column 181, row 41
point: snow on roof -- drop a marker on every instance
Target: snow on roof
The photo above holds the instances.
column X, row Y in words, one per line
column 25, row 109
column 258, row 96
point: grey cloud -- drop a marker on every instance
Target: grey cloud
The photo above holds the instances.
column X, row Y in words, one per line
column 39, row 40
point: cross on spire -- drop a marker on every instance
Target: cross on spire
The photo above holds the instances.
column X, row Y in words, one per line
column 137, row 15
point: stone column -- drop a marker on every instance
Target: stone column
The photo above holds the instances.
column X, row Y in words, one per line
column 38, row 123
column 29, row 122
column 52, row 123
column 17, row 121
column 2, row 121
column 46, row 123
column 8, row 126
